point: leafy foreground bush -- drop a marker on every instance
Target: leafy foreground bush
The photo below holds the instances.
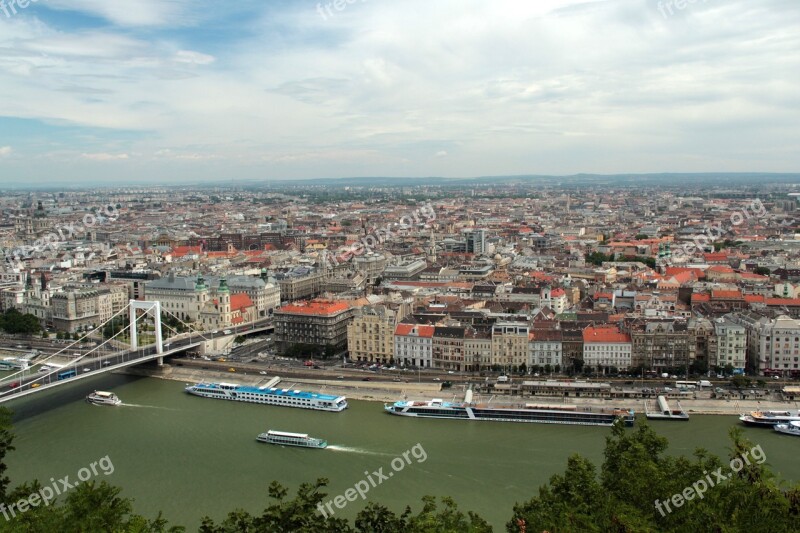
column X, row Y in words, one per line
column 620, row 498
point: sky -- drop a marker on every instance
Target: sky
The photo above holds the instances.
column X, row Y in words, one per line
column 161, row 91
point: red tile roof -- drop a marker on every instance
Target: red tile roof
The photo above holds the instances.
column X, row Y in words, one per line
column 726, row 295
column 594, row 334
column 405, row 330
column 791, row 302
column 315, row 308
column 240, row 301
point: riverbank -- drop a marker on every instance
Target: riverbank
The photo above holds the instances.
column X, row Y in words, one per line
column 380, row 391
column 374, row 391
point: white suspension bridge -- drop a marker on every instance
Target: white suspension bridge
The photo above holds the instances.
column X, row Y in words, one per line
column 107, row 356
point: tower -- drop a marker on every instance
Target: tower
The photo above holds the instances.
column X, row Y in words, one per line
column 224, row 297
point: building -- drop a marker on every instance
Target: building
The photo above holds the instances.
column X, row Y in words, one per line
column 448, row 348
column 413, row 345
column 555, row 299
column 477, row 349
column 299, row 284
column 545, row 348
column 85, row 308
column 773, row 344
column 405, row 271
column 475, row 241
column 197, row 300
column 371, row 265
column 316, row 325
column 510, row 345
column 730, row 346
column 370, row 335
column 606, row 347
column 659, row 345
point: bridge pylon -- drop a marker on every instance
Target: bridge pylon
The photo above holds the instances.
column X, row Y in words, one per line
column 154, row 309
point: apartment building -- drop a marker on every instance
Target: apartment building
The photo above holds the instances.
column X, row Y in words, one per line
column 82, row 308
column 448, row 347
column 370, row 335
column 413, row 345
column 510, row 344
column 730, row 345
column 661, row 344
column 773, row 344
column 322, row 323
column 477, row 349
column 300, row 284
column 545, row 347
column 606, row 346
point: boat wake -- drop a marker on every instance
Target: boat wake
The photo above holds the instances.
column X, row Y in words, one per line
column 147, row 406
column 350, row 449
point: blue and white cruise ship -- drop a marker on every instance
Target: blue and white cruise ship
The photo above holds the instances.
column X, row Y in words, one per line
column 269, row 396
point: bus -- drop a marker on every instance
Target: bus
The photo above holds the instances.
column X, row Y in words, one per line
column 67, row 374
column 690, row 385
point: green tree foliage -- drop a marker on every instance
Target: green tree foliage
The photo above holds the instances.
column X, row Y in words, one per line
column 637, row 473
column 12, row 321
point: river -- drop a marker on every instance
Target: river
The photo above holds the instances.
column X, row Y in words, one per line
column 190, row 456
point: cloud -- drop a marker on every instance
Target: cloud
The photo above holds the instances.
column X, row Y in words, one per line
column 5, row 151
column 270, row 89
column 133, row 13
column 104, row 157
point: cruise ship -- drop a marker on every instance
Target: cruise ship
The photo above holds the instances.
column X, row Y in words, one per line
column 769, row 418
column 269, row 396
column 543, row 414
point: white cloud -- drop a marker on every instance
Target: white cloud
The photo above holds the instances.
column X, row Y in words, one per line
column 487, row 86
column 5, row 151
column 129, row 12
column 104, row 157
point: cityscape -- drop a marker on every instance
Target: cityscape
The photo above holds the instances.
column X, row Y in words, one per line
column 439, row 290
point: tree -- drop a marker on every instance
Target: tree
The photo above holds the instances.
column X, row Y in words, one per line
column 637, row 480
column 740, row 382
column 12, row 321
column 698, row 366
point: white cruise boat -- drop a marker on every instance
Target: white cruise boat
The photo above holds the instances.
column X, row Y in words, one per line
column 769, row 418
column 269, row 396
column 545, row 414
column 103, row 398
column 792, row 428
column 283, row 438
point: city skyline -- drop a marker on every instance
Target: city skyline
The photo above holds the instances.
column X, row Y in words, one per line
column 190, row 92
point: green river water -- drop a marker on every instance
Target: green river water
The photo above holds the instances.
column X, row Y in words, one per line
column 190, row 456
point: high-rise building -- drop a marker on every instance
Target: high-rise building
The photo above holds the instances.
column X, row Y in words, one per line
column 476, row 241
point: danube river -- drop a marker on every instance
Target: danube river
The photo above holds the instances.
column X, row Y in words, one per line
column 190, row 456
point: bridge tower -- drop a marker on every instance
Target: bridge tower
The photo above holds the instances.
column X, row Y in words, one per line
column 154, row 309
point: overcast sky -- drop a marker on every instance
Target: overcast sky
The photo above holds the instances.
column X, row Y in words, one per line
column 127, row 91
